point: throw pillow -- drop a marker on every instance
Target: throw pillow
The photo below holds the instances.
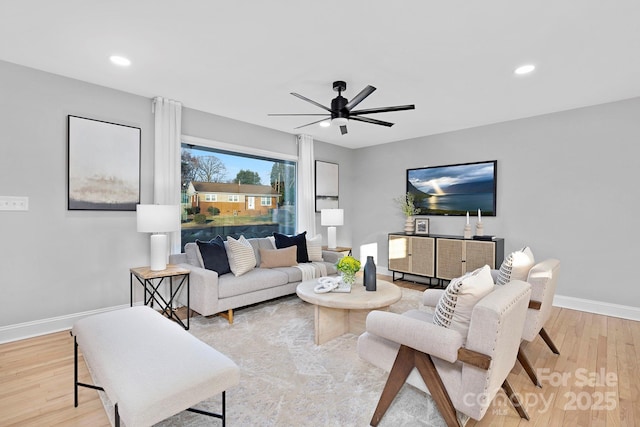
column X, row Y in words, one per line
column 241, row 256
column 300, row 241
column 314, row 248
column 516, row 266
column 271, row 258
column 462, row 294
column 214, row 255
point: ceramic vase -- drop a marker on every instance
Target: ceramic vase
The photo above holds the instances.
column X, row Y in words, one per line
column 370, row 274
column 409, row 226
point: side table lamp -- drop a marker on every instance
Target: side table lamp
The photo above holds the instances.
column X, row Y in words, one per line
column 158, row 220
column 331, row 218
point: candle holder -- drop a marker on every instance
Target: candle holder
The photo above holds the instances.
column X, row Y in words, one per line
column 467, row 231
column 479, row 229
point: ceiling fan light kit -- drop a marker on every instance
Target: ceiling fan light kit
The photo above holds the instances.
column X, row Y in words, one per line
column 342, row 110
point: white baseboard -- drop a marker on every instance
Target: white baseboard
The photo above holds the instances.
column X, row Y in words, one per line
column 36, row 328
column 589, row 306
column 598, row 307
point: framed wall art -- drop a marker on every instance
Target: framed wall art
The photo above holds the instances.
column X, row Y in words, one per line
column 327, row 185
column 103, row 165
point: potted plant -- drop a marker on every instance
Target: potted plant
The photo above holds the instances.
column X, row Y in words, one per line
column 348, row 266
column 406, row 203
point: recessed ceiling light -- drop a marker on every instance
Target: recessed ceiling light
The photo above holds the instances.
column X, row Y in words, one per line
column 325, row 124
column 525, row 69
column 120, row 60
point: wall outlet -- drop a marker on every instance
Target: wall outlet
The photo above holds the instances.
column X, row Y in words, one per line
column 10, row 203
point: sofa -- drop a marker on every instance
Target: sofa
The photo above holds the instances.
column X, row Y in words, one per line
column 212, row 293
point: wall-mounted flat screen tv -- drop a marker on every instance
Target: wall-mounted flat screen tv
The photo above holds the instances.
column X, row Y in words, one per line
column 454, row 189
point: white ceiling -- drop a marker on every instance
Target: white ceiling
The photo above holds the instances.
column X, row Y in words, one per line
column 240, row 59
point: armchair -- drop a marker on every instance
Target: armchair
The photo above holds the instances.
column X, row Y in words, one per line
column 543, row 278
column 459, row 376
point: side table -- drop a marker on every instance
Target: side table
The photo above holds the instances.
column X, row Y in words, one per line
column 152, row 280
column 341, row 249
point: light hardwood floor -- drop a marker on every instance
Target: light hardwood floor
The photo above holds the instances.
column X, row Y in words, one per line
column 595, row 381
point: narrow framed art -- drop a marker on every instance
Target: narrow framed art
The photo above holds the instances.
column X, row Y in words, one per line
column 103, row 165
column 327, row 185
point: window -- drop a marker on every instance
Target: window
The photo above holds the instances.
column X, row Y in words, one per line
column 220, row 188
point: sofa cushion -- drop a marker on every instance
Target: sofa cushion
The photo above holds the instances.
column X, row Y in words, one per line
column 260, row 243
column 253, row 280
column 192, row 252
column 462, row 294
column 300, row 241
column 271, row 258
column 214, row 255
column 314, row 248
column 516, row 266
column 241, row 256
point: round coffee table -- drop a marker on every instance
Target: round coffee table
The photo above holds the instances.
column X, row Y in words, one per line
column 337, row 313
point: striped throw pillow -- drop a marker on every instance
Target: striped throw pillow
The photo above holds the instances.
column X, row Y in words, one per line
column 241, row 255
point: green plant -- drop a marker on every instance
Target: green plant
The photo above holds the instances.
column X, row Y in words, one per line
column 407, row 204
column 213, row 211
column 200, row 218
column 348, row 264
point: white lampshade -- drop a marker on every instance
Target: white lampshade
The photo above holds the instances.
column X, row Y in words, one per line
column 158, row 219
column 332, row 217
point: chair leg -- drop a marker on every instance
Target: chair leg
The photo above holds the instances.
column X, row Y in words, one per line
column 399, row 372
column 513, row 397
column 528, row 368
column 406, row 360
column 432, row 379
column 547, row 339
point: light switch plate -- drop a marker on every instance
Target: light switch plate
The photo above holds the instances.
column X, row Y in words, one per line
column 10, row 203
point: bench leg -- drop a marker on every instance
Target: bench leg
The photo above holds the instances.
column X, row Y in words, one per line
column 116, row 415
column 222, row 416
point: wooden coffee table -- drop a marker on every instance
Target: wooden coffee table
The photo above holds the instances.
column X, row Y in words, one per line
column 339, row 313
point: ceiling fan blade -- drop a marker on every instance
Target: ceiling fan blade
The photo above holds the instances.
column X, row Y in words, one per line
column 312, row 123
column 295, row 114
column 304, row 98
column 359, row 97
column 383, row 109
column 372, row 121
column 343, row 129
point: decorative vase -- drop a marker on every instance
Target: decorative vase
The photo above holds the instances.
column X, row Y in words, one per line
column 348, row 277
column 409, row 226
column 370, row 274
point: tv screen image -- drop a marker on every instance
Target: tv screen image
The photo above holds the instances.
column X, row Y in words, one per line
column 454, row 189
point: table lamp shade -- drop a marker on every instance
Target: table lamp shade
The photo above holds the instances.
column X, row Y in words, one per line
column 158, row 219
column 331, row 218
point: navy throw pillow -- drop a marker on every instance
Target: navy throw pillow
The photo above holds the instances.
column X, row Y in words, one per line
column 284, row 241
column 214, row 255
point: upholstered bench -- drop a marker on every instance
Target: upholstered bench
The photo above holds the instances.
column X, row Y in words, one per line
column 150, row 367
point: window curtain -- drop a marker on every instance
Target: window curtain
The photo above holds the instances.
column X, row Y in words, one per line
column 306, row 197
column 166, row 170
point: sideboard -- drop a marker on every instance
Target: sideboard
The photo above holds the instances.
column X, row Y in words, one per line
column 441, row 257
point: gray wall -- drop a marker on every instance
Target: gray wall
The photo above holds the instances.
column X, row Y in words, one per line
column 567, row 187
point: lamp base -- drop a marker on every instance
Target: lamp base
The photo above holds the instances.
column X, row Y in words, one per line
column 331, row 238
column 158, row 252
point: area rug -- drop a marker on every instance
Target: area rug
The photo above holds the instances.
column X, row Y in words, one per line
column 286, row 380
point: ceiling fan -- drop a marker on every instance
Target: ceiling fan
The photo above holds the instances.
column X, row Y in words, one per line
column 342, row 111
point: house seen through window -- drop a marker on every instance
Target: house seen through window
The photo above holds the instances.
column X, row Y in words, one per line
column 233, row 194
